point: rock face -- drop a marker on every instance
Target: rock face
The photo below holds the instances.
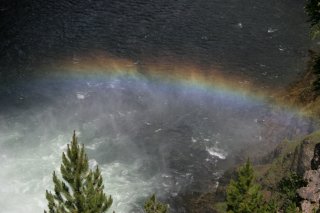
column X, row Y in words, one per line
column 305, row 155
column 308, row 207
column 311, row 193
column 315, row 162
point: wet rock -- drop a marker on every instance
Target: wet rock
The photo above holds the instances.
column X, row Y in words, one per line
column 304, row 155
column 316, row 158
column 311, row 192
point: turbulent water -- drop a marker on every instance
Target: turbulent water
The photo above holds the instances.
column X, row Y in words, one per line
column 148, row 136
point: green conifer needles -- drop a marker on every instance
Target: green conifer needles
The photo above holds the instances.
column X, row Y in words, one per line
column 243, row 194
column 81, row 189
column 154, row 206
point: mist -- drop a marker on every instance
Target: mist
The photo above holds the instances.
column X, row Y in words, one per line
column 147, row 136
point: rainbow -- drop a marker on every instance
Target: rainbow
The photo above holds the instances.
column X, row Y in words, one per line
column 99, row 67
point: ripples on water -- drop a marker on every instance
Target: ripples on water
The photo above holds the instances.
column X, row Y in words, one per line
column 263, row 40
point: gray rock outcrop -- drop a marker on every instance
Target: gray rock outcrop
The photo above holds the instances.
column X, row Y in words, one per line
column 310, row 194
column 315, row 162
column 305, row 155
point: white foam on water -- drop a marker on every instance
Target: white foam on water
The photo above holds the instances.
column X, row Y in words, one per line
column 214, row 151
column 25, row 176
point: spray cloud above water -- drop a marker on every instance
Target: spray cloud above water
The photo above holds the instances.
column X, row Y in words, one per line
column 149, row 134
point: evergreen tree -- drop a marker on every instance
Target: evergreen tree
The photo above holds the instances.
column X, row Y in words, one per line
column 81, row 189
column 154, row 206
column 243, row 194
column 287, row 187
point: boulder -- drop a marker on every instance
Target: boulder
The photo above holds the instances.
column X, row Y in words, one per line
column 311, row 192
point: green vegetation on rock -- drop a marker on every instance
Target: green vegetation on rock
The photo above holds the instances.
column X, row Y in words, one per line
column 281, row 176
column 313, row 12
column 289, row 157
column 246, row 195
column 287, row 188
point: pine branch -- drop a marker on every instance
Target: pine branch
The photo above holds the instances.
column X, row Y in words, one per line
column 81, row 189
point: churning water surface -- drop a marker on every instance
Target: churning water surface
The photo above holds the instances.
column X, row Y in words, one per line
column 148, row 137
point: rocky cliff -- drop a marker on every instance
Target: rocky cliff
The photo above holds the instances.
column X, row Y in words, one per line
column 310, row 194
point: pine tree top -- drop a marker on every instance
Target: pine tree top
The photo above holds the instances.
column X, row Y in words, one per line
column 154, row 206
column 81, row 188
column 243, row 193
